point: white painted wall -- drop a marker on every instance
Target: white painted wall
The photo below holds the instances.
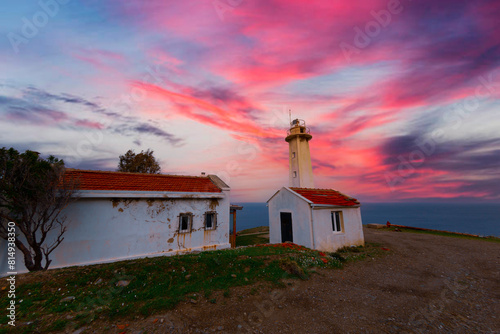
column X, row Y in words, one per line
column 105, row 230
column 300, row 169
column 329, row 241
column 285, row 201
column 302, row 212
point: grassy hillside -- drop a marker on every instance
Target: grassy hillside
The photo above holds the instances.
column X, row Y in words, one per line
column 445, row 234
column 253, row 236
column 66, row 299
column 260, row 229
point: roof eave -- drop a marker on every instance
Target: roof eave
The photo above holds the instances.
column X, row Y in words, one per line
column 299, row 195
column 218, row 182
column 325, row 206
column 146, row 194
column 276, row 193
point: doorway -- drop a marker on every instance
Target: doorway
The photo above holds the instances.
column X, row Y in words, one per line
column 286, row 227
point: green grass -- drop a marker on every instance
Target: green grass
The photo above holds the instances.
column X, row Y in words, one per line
column 157, row 284
column 253, row 239
column 58, row 325
column 446, row 234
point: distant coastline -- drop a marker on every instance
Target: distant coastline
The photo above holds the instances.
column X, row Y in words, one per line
column 474, row 218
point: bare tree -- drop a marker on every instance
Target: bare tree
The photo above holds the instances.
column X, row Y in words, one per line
column 143, row 162
column 33, row 193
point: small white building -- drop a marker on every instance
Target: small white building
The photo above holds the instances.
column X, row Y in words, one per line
column 322, row 219
column 127, row 215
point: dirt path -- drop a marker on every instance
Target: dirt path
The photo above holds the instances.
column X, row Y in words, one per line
column 425, row 284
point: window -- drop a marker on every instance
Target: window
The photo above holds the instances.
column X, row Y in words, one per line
column 210, row 220
column 337, row 223
column 294, row 174
column 185, row 222
column 293, row 155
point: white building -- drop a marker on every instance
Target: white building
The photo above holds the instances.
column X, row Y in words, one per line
column 126, row 215
column 322, row 219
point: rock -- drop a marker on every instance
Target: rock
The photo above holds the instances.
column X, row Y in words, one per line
column 79, row 330
column 233, row 275
column 193, row 301
column 188, row 276
column 220, row 328
column 67, row 299
column 99, row 280
column 122, row 283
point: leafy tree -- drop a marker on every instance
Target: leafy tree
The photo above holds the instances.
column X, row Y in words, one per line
column 143, row 162
column 33, row 192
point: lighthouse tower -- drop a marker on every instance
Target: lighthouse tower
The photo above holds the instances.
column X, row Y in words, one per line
column 301, row 174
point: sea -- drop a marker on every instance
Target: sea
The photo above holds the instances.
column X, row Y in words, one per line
column 474, row 218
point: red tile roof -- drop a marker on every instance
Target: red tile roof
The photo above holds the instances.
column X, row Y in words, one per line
column 326, row 196
column 99, row 180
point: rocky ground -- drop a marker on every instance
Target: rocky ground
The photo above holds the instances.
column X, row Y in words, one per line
column 423, row 284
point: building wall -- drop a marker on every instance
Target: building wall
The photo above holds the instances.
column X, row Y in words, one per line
column 300, row 164
column 284, row 201
column 106, row 230
column 329, row 241
column 324, row 237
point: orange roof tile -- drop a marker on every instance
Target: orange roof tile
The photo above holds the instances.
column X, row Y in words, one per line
column 100, row 180
column 326, row 196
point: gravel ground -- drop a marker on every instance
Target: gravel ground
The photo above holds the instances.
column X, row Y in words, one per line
column 423, row 284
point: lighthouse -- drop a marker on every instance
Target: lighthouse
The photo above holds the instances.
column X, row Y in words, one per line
column 301, row 173
column 317, row 218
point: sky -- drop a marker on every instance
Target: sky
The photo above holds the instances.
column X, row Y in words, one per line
column 402, row 97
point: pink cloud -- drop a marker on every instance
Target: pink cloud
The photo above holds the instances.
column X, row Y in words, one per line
column 232, row 118
column 88, row 124
column 102, row 60
column 261, row 46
